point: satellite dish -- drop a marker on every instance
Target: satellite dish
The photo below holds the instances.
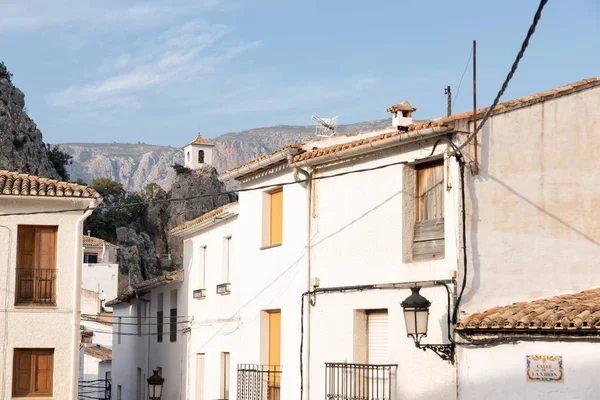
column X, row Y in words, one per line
column 325, row 126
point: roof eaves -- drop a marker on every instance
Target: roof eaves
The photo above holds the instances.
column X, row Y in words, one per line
column 261, row 163
column 212, row 217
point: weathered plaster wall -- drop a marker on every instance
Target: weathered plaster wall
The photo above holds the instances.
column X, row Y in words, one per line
column 359, row 232
column 499, row 373
column 533, row 210
column 100, row 278
column 41, row 327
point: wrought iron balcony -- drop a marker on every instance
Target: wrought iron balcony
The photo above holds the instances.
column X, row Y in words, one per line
column 36, row 286
column 360, row 381
column 258, row 382
column 224, row 288
column 200, row 294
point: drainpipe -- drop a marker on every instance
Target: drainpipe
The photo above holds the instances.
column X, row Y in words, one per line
column 308, row 186
column 77, row 292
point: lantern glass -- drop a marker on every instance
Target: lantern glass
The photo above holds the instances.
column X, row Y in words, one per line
column 416, row 315
column 155, row 385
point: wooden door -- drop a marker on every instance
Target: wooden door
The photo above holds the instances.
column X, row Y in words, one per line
column 276, row 231
column 46, row 264
column 36, row 264
column 274, row 353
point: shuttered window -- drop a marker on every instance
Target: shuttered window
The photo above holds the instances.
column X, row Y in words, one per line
column 428, row 241
column 173, row 317
column 36, row 265
column 33, row 371
column 377, row 337
column 159, row 317
column 276, row 217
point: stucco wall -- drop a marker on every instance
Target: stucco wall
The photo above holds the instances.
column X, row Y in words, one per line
column 100, row 278
column 499, row 373
column 358, row 234
column 42, row 327
column 533, row 210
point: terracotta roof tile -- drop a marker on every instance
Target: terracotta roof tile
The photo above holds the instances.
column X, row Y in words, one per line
column 200, row 140
column 297, row 146
column 500, row 108
column 579, row 311
column 16, row 184
column 204, row 217
column 99, row 352
column 95, row 242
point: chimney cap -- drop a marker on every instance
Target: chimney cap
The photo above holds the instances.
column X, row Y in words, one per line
column 404, row 106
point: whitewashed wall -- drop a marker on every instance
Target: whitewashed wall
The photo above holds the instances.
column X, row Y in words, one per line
column 261, row 280
column 54, row 327
column 499, row 373
column 100, row 278
column 193, row 150
column 357, row 234
column 131, row 353
column 533, row 210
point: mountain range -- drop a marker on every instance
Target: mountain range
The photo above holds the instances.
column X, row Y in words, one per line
column 137, row 164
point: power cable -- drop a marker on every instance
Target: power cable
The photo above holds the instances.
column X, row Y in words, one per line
column 212, row 194
column 461, row 77
column 511, row 73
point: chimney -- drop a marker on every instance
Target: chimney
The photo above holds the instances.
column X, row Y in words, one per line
column 402, row 115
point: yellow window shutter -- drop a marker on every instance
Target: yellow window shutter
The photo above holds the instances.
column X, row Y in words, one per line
column 276, row 226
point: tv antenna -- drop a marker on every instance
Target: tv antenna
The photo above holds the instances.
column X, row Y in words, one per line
column 325, row 126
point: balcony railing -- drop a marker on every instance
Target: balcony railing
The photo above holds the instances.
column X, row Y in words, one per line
column 36, row 286
column 360, row 381
column 258, row 382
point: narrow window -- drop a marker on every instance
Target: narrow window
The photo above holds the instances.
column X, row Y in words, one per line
column 90, row 258
column 428, row 241
column 139, row 319
column 33, row 372
column 377, row 337
column 119, row 331
column 36, row 265
column 201, row 156
column 202, row 274
column 200, row 372
column 226, row 257
column 138, row 386
column 224, row 376
column 273, row 218
column 173, row 325
column 119, row 392
column 159, row 318
column 188, row 156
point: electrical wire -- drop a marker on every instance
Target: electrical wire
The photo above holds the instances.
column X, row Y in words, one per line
column 461, row 77
column 511, row 73
column 236, row 191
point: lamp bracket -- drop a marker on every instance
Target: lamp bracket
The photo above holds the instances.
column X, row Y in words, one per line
column 444, row 351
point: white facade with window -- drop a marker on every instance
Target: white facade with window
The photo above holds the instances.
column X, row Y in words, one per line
column 39, row 311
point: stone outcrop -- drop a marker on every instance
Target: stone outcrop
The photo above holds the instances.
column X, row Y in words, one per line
column 136, row 165
column 21, row 145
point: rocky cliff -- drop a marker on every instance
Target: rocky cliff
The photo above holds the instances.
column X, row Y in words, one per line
column 21, row 145
column 136, row 165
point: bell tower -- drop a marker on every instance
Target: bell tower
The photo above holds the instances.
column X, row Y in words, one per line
column 198, row 153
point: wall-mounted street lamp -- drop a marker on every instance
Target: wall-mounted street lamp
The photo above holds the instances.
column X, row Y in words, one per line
column 416, row 316
column 155, row 385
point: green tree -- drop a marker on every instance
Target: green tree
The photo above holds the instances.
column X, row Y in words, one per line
column 59, row 160
column 5, row 73
column 114, row 211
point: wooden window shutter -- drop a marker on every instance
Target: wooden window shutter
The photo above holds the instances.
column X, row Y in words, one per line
column 276, row 224
column 428, row 242
column 33, row 372
column 44, row 370
column 22, row 372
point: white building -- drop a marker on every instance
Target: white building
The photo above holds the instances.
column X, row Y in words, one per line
column 99, row 275
column 40, row 271
column 198, row 152
column 296, row 291
column 150, row 333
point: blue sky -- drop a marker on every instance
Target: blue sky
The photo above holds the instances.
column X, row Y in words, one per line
column 158, row 72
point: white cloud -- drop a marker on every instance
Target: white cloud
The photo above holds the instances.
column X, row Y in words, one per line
column 295, row 96
column 177, row 54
